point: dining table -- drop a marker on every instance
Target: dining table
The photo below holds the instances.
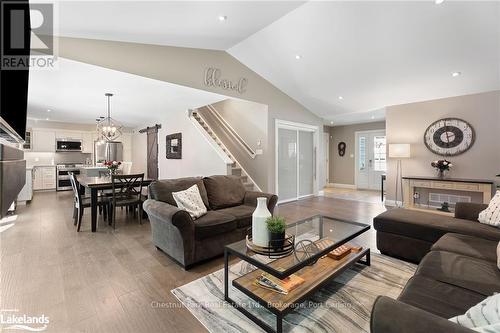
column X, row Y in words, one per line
column 96, row 184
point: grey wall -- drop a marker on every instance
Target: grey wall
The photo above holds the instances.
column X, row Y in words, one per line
column 407, row 124
column 249, row 120
column 186, row 66
column 342, row 169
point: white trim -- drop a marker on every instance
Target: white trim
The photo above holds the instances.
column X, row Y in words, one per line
column 285, row 124
column 338, row 185
column 393, row 203
column 321, row 193
column 356, row 139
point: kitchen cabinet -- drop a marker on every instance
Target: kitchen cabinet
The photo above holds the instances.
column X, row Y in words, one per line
column 43, row 141
column 68, row 135
column 44, row 178
column 87, row 143
column 26, row 193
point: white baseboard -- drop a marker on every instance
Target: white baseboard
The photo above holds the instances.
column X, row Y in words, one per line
column 393, row 203
column 337, row 185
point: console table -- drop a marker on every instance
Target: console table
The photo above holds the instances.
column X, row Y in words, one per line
column 455, row 184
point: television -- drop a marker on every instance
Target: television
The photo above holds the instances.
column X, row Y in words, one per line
column 14, row 82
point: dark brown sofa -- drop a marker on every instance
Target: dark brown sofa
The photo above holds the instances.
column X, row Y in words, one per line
column 458, row 272
column 410, row 234
column 457, row 269
column 230, row 207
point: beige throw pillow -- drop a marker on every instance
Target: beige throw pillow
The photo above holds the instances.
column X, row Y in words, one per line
column 483, row 317
column 190, row 200
column 491, row 215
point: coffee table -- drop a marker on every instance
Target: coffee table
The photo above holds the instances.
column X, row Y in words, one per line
column 317, row 269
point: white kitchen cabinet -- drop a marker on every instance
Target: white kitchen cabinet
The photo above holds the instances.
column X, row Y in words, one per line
column 44, row 178
column 26, row 193
column 87, row 143
column 68, row 135
column 43, row 141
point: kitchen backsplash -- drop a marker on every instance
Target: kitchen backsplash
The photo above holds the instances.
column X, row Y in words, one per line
column 35, row 158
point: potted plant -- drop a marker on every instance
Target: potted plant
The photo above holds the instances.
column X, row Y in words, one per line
column 442, row 166
column 276, row 226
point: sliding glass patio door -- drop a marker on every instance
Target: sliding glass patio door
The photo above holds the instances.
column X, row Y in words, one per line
column 296, row 162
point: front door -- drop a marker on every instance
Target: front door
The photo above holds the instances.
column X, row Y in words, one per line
column 371, row 159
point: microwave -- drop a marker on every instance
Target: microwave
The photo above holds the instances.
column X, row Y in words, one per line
column 63, row 145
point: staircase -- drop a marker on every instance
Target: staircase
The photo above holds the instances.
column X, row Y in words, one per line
column 235, row 168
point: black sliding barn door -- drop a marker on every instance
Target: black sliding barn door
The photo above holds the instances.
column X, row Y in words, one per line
column 152, row 151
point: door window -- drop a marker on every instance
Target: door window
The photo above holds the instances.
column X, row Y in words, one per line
column 362, row 153
column 379, row 153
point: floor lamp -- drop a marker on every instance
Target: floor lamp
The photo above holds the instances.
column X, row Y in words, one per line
column 399, row 151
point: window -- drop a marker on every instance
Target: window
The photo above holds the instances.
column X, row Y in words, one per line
column 362, row 153
column 379, row 153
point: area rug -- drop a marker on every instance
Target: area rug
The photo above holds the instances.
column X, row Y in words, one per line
column 343, row 305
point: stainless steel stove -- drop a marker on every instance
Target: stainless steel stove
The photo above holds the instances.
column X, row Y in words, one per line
column 63, row 170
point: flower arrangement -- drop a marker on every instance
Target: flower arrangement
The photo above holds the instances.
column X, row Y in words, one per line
column 112, row 166
column 442, row 165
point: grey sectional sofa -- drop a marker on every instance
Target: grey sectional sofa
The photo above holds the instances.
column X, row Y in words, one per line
column 457, row 269
column 187, row 241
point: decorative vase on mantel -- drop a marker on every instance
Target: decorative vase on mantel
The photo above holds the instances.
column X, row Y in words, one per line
column 442, row 174
column 260, row 235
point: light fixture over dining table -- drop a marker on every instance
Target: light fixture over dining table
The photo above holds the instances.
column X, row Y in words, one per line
column 108, row 129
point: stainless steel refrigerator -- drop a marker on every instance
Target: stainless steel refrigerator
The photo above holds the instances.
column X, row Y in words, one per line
column 108, row 151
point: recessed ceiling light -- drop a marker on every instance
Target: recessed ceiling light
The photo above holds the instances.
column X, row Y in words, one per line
column 298, row 56
column 222, row 18
column 47, row 119
column 49, row 110
column 341, row 98
column 455, row 74
column 438, row 2
column 331, row 122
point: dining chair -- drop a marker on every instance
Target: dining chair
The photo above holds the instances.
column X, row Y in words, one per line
column 126, row 193
column 81, row 202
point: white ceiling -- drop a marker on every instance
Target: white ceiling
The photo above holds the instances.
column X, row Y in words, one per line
column 376, row 54
column 175, row 23
column 75, row 93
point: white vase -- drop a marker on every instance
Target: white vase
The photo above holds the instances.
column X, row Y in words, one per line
column 260, row 235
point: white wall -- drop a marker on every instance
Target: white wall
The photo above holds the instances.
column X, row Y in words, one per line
column 198, row 157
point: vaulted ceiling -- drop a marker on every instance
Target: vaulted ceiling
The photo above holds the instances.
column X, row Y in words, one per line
column 343, row 60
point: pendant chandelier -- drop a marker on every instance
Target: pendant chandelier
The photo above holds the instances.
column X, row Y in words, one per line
column 108, row 129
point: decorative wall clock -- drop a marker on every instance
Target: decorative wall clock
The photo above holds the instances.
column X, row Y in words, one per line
column 449, row 136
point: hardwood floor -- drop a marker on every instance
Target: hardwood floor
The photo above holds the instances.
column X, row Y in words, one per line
column 112, row 281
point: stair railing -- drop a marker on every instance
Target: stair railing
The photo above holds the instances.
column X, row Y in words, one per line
column 231, row 131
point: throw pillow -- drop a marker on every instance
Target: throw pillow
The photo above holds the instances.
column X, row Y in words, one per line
column 491, row 215
column 482, row 317
column 190, row 200
column 498, row 255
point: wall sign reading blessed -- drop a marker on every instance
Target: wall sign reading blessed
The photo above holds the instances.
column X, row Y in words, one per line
column 213, row 79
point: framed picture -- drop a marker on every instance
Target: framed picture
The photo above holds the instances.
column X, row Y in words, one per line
column 174, row 146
